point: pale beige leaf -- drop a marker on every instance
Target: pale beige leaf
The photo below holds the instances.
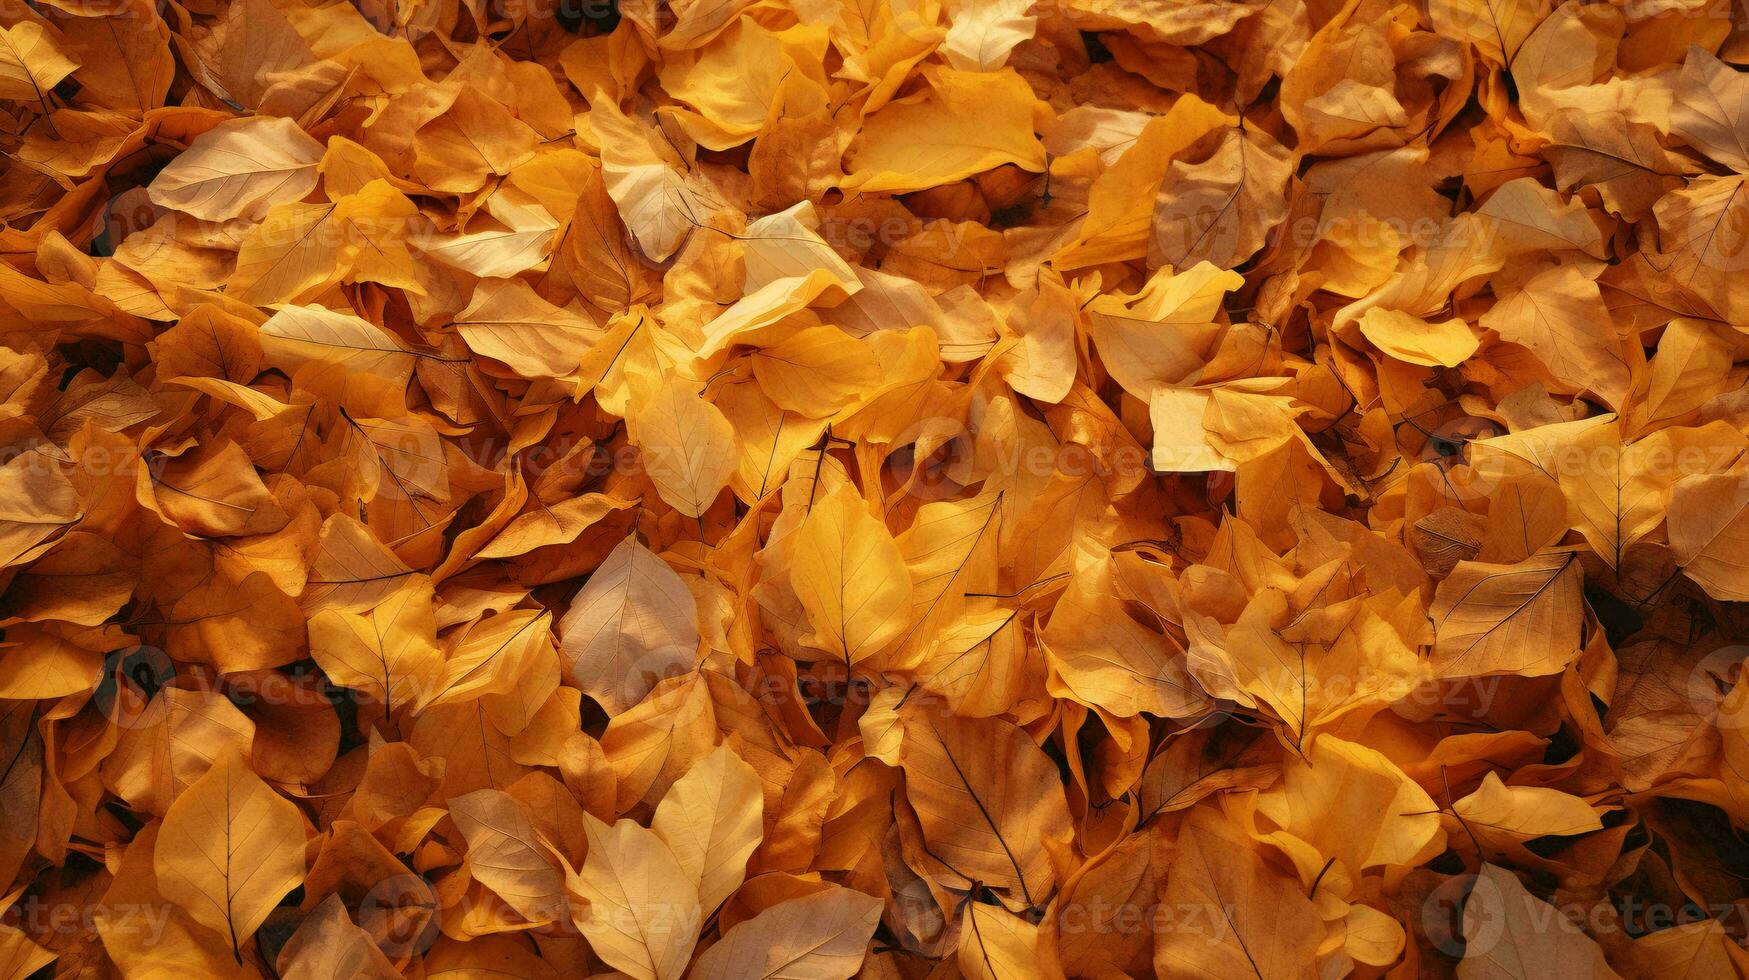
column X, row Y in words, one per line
column 822, row 936
column 505, row 855
column 633, row 624
column 238, row 169
column 711, row 819
column 640, row 910
column 1510, row 934
column 329, row 944
column 687, row 444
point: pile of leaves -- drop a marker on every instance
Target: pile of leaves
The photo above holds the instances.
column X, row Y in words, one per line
column 884, row 488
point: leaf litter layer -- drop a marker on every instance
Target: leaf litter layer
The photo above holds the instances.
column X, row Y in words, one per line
column 915, row 489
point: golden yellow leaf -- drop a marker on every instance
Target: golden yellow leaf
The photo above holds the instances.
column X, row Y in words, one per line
column 505, row 855
column 388, row 652
column 816, row 371
column 850, row 577
column 1508, row 618
column 32, row 62
column 642, row 913
column 229, row 850
column 1233, row 913
column 976, row 120
column 687, row 444
column 1416, row 341
column 710, row 820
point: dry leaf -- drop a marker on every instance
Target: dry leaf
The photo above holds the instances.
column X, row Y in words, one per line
column 837, row 488
column 817, row 937
column 630, row 627
column 229, row 850
column 642, row 914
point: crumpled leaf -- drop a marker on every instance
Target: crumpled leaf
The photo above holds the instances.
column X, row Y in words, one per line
column 843, row 488
column 1222, row 209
